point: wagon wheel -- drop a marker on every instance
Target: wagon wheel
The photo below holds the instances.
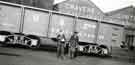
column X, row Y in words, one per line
column 105, row 50
column 34, row 45
column 5, row 33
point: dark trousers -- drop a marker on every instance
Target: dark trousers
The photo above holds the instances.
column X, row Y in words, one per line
column 60, row 50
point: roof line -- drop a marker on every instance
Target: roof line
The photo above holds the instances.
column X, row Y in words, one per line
column 96, row 6
column 107, row 13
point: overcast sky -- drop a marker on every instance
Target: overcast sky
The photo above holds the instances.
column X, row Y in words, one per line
column 109, row 5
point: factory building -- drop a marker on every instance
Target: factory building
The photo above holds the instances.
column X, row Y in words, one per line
column 127, row 15
column 82, row 8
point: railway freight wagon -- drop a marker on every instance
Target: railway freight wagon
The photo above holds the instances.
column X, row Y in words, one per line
column 34, row 27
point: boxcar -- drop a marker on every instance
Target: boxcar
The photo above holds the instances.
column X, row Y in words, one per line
column 34, row 27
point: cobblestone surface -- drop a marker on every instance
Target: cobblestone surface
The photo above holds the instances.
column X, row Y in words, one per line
column 21, row 56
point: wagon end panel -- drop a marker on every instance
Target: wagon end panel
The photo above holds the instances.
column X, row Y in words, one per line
column 111, row 35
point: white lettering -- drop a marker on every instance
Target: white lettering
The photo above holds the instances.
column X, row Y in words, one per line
column 62, row 22
column 36, row 17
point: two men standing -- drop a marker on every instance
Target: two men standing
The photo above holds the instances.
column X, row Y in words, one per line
column 73, row 42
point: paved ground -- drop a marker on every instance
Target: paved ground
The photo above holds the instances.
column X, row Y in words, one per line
column 21, row 56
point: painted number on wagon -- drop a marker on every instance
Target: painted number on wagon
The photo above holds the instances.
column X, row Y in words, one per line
column 36, row 17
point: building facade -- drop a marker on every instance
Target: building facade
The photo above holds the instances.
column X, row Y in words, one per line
column 127, row 15
column 82, row 8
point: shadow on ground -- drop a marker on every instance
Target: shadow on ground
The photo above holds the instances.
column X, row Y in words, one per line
column 9, row 54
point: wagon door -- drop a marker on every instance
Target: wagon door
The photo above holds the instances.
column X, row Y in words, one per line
column 110, row 34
